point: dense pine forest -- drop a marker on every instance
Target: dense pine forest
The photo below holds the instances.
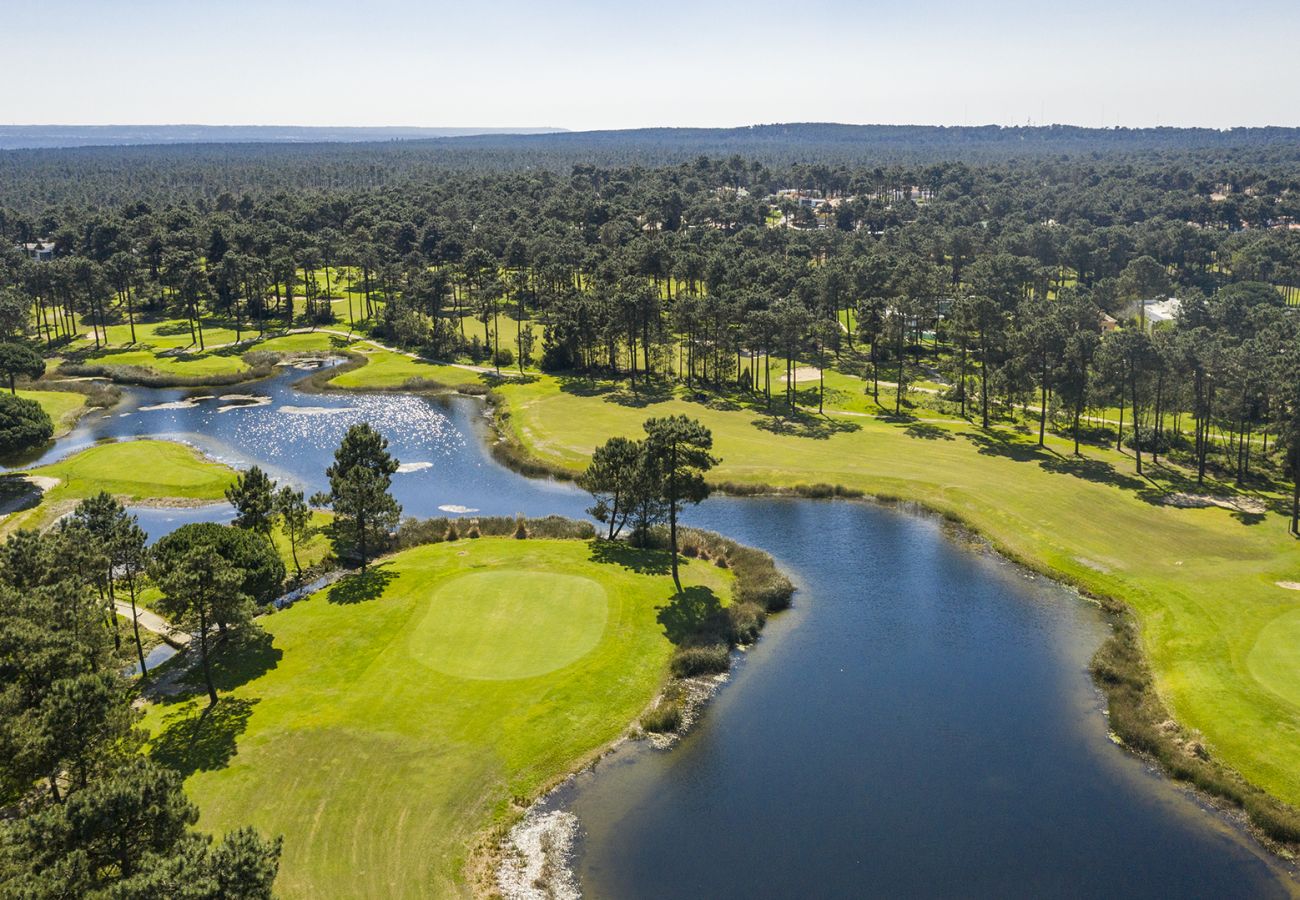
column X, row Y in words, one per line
column 1010, row 287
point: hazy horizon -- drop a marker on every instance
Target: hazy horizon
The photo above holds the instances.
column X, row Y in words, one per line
column 581, row 65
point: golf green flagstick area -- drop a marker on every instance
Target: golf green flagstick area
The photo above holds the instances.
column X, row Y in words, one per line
column 385, row 724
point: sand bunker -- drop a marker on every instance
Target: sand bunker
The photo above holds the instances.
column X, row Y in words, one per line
column 457, row 508
column 1288, row 585
column 804, row 373
column 413, row 467
column 23, row 491
column 1184, row 500
column 315, row 410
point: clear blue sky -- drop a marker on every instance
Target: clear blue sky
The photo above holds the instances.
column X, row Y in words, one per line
column 583, row 64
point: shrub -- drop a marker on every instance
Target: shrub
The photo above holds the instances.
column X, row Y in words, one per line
column 23, row 424
column 745, row 621
column 665, row 717
column 473, row 531
column 521, row 529
column 710, row 659
column 504, row 357
column 452, row 534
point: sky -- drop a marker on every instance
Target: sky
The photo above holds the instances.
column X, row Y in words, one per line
column 582, row 64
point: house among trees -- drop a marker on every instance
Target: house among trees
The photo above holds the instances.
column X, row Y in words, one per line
column 1152, row 313
column 41, row 251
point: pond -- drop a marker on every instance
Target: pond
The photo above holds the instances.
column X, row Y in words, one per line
column 922, row 722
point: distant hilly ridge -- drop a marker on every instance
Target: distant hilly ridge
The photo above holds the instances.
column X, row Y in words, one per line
column 28, row 137
column 750, row 138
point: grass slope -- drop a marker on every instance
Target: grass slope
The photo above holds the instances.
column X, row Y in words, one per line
column 63, row 407
column 390, row 719
column 1214, row 622
column 130, row 470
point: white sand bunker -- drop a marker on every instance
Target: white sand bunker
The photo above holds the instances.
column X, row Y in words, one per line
column 413, row 467
column 315, row 410
column 804, row 373
column 1184, row 500
column 536, row 858
column 23, row 491
column 457, row 508
column 1288, row 585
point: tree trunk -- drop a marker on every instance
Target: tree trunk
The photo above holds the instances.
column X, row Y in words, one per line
column 203, row 655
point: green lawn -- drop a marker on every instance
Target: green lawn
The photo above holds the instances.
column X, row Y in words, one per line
column 130, row 470
column 390, row 720
column 1216, row 626
column 165, row 347
column 63, row 407
column 386, row 369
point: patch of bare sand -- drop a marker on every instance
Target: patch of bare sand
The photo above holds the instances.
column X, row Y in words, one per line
column 1184, row 500
column 804, row 373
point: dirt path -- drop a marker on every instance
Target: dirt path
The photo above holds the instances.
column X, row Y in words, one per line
column 151, row 621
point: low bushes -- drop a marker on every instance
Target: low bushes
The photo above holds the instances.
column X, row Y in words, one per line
column 415, row 532
column 709, row 659
column 1141, row 721
column 758, row 581
column 666, row 716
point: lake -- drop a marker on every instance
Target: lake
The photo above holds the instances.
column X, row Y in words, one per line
column 921, row 722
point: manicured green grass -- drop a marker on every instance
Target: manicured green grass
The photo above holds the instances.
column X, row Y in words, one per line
column 157, row 345
column 63, row 407
column 385, row 369
column 1216, row 627
column 311, row 552
column 131, row 470
column 395, row 717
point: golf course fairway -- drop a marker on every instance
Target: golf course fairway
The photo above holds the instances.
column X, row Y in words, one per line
column 386, row 723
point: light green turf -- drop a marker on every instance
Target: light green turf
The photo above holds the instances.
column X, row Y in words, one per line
column 137, row 470
column 386, row 369
column 63, row 407
column 355, row 737
column 1202, row 581
column 165, row 347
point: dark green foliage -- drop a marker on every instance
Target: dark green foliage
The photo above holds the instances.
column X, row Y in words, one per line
column 23, row 424
column 19, row 360
column 253, row 497
column 88, row 814
column 365, row 513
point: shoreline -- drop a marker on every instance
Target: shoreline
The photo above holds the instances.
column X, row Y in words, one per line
column 1138, row 713
column 1130, row 689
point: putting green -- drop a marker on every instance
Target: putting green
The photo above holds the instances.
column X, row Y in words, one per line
column 1273, row 658
column 549, row 620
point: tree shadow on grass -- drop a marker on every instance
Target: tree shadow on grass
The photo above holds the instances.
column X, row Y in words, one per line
column 927, row 431
column 997, row 443
column 695, row 616
column 1095, row 470
column 644, row 561
column 360, row 587
column 806, row 426
column 236, row 660
column 201, row 740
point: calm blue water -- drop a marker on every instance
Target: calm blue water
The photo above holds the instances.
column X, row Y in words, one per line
column 921, row 723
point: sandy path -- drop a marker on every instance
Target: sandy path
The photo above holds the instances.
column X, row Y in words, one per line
column 151, row 621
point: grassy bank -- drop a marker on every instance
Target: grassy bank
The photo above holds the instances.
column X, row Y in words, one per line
column 395, row 716
column 1202, row 582
column 134, row 471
